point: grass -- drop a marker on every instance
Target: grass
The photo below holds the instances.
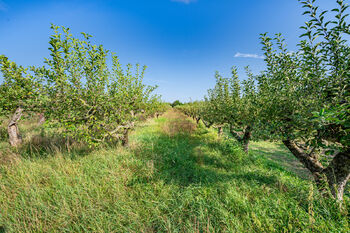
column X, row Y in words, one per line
column 174, row 177
column 278, row 154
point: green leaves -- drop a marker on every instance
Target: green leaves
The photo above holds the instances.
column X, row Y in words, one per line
column 81, row 95
column 306, row 93
column 19, row 88
column 302, row 95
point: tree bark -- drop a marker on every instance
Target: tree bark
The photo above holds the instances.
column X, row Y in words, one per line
column 243, row 139
column 41, row 118
column 246, row 138
column 235, row 134
column 309, row 161
column 335, row 175
column 15, row 138
column 125, row 139
column 219, row 131
column 338, row 173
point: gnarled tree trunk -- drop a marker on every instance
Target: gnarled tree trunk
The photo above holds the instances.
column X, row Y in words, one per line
column 246, row 138
column 41, row 118
column 15, row 138
column 338, row 173
column 335, row 175
column 219, row 131
column 125, row 139
column 243, row 138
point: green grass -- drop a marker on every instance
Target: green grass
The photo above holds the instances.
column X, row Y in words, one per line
column 279, row 154
column 173, row 178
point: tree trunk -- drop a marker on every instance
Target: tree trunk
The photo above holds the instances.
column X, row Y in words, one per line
column 338, row 173
column 245, row 145
column 309, row 161
column 219, row 131
column 335, row 175
column 235, row 134
column 246, row 138
column 243, row 139
column 12, row 128
column 125, row 140
column 41, row 118
column 197, row 120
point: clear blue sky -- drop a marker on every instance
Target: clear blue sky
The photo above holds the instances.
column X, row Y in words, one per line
column 183, row 42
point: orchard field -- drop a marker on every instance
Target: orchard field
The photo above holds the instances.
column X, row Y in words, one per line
column 175, row 176
column 87, row 146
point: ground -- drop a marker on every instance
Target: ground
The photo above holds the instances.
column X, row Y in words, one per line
column 175, row 176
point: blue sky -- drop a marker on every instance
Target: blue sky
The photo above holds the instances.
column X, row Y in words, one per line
column 183, row 42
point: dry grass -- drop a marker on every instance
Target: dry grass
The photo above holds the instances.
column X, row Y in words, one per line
column 178, row 123
column 39, row 144
column 8, row 158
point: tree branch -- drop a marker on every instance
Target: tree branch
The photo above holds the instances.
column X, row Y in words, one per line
column 311, row 163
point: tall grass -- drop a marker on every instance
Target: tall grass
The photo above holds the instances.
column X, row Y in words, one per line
column 174, row 177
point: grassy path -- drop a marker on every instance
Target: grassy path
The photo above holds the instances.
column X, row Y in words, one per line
column 174, row 177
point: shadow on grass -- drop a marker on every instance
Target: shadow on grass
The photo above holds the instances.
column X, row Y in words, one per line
column 44, row 146
column 278, row 156
column 183, row 159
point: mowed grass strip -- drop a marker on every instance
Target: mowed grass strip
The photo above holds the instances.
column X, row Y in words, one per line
column 174, row 177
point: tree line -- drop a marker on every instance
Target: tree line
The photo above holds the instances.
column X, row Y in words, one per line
column 301, row 98
column 81, row 92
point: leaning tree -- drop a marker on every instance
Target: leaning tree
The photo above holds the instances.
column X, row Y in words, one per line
column 306, row 96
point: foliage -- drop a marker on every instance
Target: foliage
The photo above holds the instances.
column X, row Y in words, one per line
column 19, row 88
column 176, row 103
column 192, row 109
column 157, row 108
column 309, row 112
column 306, row 94
column 230, row 103
column 79, row 93
column 302, row 98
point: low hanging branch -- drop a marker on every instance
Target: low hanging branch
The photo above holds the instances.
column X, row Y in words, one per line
column 335, row 175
